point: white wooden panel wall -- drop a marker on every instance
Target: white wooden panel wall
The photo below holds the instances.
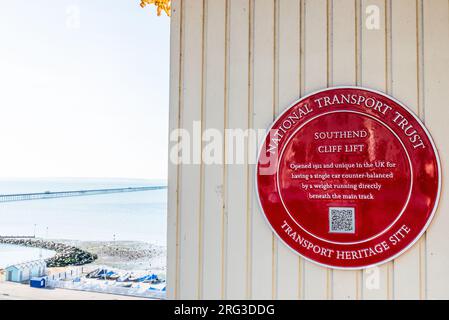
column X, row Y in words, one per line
column 288, row 87
column 436, row 114
column 213, row 118
column 406, row 57
column 375, row 73
column 343, row 52
column 237, row 225
column 316, row 75
column 238, row 64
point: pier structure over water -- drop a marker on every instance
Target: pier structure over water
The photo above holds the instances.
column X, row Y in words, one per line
column 17, row 237
column 75, row 193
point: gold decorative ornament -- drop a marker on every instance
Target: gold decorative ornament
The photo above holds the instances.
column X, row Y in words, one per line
column 160, row 4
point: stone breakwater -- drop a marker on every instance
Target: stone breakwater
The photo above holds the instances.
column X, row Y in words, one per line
column 66, row 255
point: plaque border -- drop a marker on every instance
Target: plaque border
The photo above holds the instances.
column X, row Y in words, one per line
column 423, row 229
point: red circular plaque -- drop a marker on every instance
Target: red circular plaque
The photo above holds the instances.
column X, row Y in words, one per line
column 348, row 177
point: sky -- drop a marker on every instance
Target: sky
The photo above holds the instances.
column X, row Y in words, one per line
column 84, row 89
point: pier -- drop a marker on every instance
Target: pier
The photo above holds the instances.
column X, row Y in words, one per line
column 17, row 237
column 76, row 193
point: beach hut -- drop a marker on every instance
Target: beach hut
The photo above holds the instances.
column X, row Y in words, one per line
column 25, row 271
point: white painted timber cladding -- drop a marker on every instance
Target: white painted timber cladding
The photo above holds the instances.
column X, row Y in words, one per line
column 238, row 64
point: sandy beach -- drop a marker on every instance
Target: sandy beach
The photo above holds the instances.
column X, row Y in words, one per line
column 124, row 255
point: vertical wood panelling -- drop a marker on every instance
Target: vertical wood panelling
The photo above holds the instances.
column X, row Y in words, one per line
column 317, row 280
column 377, row 282
column 436, row 97
column 173, row 169
column 288, row 42
column 345, row 284
column 263, row 242
column 237, row 118
column 213, row 117
column 190, row 176
column 405, row 59
column 237, row 65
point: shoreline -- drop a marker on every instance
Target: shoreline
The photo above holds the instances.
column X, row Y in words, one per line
column 124, row 255
column 65, row 256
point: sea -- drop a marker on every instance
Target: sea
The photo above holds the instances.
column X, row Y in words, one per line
column 129, row 216
column 10, row 254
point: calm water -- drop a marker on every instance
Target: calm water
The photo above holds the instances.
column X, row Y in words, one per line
column 138, row 216
column 14, row 254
